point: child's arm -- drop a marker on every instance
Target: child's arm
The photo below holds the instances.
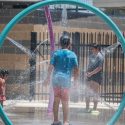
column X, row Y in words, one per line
column 76, row 76
column 50, row 69
column 1, row 82
column 95, row 71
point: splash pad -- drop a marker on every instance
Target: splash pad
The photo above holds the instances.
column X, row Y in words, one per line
column 95, row 10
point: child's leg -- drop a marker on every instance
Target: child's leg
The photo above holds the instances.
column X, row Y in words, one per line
column 1, row 102
column 65, row 107
column 95, row 88
column 56, row 104
column 87, row 102
column 88, row 94
column 56, row 108
column 65, row 104
column 2, row 98
column 51, row 101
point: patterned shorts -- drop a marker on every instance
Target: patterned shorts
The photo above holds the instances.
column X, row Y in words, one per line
column 2, row 98
column 62, row 93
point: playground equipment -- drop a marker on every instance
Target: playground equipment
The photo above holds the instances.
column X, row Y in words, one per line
column 95, row 10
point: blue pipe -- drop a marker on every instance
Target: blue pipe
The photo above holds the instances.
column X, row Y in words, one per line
column 4, row 117
column 117, row 114
column 95, row 10
column 31, row 8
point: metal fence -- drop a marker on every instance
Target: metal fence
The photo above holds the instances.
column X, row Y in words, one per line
column 113, row 68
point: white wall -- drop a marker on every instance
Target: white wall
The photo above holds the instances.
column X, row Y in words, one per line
column 109, row 3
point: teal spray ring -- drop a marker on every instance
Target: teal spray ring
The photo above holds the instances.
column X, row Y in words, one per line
column 93, row 9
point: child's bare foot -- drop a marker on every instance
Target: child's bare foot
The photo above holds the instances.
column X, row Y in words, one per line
column 67, row 123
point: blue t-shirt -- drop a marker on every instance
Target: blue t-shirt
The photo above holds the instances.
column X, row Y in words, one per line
column 95, row 61
column 64, row 61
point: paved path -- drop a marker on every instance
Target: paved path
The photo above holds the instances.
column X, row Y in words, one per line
column 34, row 113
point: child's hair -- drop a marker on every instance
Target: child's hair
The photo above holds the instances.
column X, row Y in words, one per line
column 94, row 45
column 65, row 39
column 3, row 72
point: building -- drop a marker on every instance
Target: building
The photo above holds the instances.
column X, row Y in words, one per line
column 110, row 3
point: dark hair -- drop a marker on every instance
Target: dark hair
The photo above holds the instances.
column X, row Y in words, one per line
column 96, row 46
column 3, row 72
column 65, row 39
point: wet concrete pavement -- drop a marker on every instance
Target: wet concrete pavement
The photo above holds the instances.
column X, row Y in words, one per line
column 35, row 114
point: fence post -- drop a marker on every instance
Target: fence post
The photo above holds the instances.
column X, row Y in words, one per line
column 32, row 62
column 76, row 43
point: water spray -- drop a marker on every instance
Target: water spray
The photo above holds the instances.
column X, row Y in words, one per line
column 95, row 10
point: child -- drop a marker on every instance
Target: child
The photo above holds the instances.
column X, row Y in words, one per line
column 3, row 78
column 63, row 63
column 94, row 76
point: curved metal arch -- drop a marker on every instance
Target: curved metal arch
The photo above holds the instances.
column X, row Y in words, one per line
column 31, row 8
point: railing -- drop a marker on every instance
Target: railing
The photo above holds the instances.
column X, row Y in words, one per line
column 114, row 65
